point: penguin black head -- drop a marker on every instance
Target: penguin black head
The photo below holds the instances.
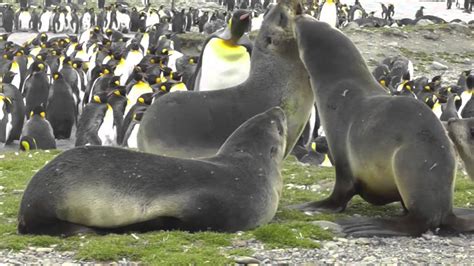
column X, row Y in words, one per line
column 77, row 64
column 106, row 69
column 42, row 56
column 139, row 76
column 8, row 77
column 38, row 66
column 146, row 98
column 138, row 116
column 28, row 143
column 39, row 111
column 100, row 97
column 4, row 37
column 120, row 91
column 436, row 80
column 67, row 61
column 470, row 82
column 57, row 76
column 239, row 24
column 114, row 81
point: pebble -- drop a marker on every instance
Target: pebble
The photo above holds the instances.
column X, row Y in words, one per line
column 438, row 66
column 396, row 250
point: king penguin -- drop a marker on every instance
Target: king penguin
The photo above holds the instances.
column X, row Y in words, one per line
column 225, row 58
column 91, row 120
column 39, row 129
column 36, row 87
column 130, row 136
column 6, row 118
column 328, row 13
column 61, row 108
column 17, row 111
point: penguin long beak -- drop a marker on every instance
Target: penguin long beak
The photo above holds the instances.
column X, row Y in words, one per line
column 244, row 16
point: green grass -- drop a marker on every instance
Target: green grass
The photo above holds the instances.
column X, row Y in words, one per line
column 288, row 229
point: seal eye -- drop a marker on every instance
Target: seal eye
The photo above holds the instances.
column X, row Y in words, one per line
column 273, row 151
column 283, row 20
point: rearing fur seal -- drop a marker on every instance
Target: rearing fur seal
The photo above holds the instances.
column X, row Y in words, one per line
column 195, row 124
column 118, row 190
column 385, row 148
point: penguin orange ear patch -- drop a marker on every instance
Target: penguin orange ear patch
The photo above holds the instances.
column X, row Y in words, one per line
column 31, row 113
column 55, row 76
column 43, row 114
column 141, row 100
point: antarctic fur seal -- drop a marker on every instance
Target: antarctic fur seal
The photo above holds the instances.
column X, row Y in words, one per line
column 118, row 190
column 195, row 124
column 385, row 148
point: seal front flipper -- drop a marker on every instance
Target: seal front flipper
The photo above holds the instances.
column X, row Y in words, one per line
column 342, row 193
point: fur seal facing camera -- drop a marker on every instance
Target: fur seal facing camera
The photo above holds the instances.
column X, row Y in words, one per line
column 373, row 138
column 195, row 124
column 461, row 132
column 237, row 189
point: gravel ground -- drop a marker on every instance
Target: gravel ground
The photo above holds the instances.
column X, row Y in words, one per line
column 429, row 248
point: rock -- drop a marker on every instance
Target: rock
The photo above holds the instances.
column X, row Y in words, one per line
column 246, row 260
column 392, row 44
column 352, row 25
column 460, row 28
column 431, row 36
column 424, row 22
column 438, row 66
column 334, row 227
column 395, row 33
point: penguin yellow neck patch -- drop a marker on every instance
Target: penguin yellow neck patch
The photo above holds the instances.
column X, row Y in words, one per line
column 226, row 50
column 25, row 145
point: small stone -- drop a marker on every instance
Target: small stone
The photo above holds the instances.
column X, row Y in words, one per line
column 438, row 66
column 392, row 44
column 326, row 225
column 424, row 22
column 431, row 36
column 44, row 250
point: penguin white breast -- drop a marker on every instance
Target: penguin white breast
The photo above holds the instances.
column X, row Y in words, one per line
column 132, row 140
column 358, row 14
column 175, row 55
column 329, row 14
column 223, row 66
column 106, row 131
column 465, row 97
column 2, row 110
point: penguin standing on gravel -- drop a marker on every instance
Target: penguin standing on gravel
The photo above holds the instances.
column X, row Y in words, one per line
column 17, row 111
column 328, row 13
column 225, row 57
column 36, row 87
column 91, row 120
column 8, row 18
column 61, row 108
column 39, row 129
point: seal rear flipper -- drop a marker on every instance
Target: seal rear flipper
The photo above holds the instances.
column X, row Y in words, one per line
column 462, row 223
column 54, row 227
column 368, row 227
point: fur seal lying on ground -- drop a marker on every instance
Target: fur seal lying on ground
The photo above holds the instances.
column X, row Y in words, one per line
column 385, row 148
column 195, row 124
column 118, row 190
